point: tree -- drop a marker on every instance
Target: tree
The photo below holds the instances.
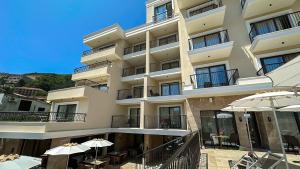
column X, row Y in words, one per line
column 2, row 81
column 21, row 83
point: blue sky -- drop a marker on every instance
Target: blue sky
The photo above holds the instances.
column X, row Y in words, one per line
column 46, row 35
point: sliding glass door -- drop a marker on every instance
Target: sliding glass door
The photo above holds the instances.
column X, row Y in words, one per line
column 66, row 112
column 170, row 89
column 170, row 117
column 134, row 117
column 163, row 12
column 211, row 76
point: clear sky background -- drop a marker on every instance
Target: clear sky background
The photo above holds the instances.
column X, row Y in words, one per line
column 46, row 35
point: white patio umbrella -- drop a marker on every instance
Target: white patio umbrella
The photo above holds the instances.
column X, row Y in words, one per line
column 273, row 100
column 18, row 162
column 67, row 149
column 293, row 108
column 281, row 78
column 97, row 143
column 246, row 115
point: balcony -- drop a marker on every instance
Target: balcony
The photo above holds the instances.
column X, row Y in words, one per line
column 206, row 16
column 92, row 72
column 155, row 95
column 130, row 96
column 123, row 121
column 169, row 70
column 214, row 79
column 164, row 45
column 41, row 117
column 210, row 47
column 254, row 8
column 173, row 122
column 131, row 74
column 275, row 33
column 102, row 53
column 161, row 17
column 134, row 52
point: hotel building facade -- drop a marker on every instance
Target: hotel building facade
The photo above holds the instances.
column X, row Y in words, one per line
column 172, row 75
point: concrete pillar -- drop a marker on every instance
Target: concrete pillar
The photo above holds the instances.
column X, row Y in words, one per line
column 271, row 131
column 57, row 162
column 242, row 129
column 104, row 149
column 148, row 41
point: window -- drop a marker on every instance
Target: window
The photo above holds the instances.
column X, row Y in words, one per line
column 140, row 70
column 202, row 10
column 134, row 117
column 138, row 92
column 66, row 112
column 167, row 40
column 211, row 76
column 170, row 117
column 271, row 63
column 163, row 12
column 170, row 89
column 207, row 40
column 139, row 47
column 170, row 65
column 103, row 87
column 41, row 109
column 24, row 105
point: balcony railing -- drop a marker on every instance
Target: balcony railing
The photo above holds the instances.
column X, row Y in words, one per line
column 163, row 16
column 165, row 41
column 130, row 94
column 86, row 82
column 243, row 2
column 42, row 117
column 209, row 40
column 96, row 50
column 172, row 64
column 173, row 122
column 207, row 6
column 215, row 79
column 134, row 49
column 123, row 121
column 129, row 71
column 274, row 24
column 153, row 91
column 92, row 66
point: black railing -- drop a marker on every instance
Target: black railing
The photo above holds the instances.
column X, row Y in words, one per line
column 268, row 68
column 171, row 64
column 123, row 121
column 92, row 66
column 207, row 6
column 180, row 153
column 275, row 24
column 154, row 91
column 130, row 93
column 173, row 122
column 96, row 50
column 129, row 71
column 134, row 49
column 215, row 79
column 164, row 41
column 243, row 2
column 163, row 16
column 209, row 40
column 42, row 117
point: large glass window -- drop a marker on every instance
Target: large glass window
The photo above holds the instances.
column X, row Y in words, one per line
column 138, row 92
column 207, row 40
column 170, row 117
column 271, row 63
column 211, row 76
column 66, row 112
column 170, row 89
column 134, row 117
column 170, row 65
column 167, row 40
column 139, row 47
column 163, row 12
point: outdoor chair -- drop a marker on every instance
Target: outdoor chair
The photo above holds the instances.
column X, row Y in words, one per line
column 291, row 142
column 215, row 140
column 267, row 161
column 245, row 161
column 233, row 140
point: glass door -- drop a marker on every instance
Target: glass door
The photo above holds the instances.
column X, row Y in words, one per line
column 211, row 76
column 253, row 128
column 170, row 117
column 138, row 92
column 163, row 12
column 170, row 89
column 134, row 117
column 66, row 112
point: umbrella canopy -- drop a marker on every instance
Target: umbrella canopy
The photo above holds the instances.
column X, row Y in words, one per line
column 246, row 109
column 287, row 75
column 293, row 108
column 97, row 143
column 67, row 149
column 279, row 99
column 18, row 162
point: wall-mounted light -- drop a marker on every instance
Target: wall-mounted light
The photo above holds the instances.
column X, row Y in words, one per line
column 240, row 119
column 210, row 100
column 269, row 119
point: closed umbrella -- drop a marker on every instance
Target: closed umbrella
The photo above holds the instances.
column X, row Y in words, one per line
column 97, row 143
column 67, row 149
column 18, row 162
column 273, row 100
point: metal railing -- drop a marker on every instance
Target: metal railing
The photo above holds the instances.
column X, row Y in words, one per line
column 92, row 66
column 42, row 116
column 97, row 49
column 164, row 41
column 163, row 16
column 207, row 6
column 243, row 2
column 180, row 153
column 123, row 121
column 134, row 49
column 129, row 71
column 86, row 82
column 154, row 67
column 173, row 122
column 209, row 40
column 275, row 24
column 154, row 91
column 129, row 94
column 215, row 79
column 268, row 68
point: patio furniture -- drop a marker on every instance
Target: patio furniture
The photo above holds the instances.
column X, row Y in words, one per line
column 291, row 141
column 245, row 161
column 268, row 161
column 214, row 139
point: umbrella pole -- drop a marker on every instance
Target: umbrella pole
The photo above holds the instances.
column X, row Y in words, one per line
column 249, row 135
column 67, row 162
column 279, row 133
column 96, row 156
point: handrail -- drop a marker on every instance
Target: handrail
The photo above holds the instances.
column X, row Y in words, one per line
column 163, row 16
column 97, row 49
column 21, row 116
column 92, row 66
column 211, row 3
column 286, row 21
column 129, row 93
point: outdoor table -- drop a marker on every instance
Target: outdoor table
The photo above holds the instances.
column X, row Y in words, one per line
column 221, row 138
column 97, row 163
column 116, row 156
